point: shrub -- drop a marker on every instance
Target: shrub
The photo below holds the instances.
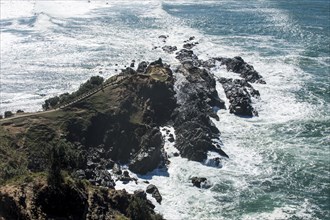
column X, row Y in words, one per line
column 51, row 103
column 92, row 83
column 8, row 114
column 55, row 177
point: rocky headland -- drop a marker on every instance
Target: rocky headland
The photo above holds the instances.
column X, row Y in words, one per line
column 55, row 164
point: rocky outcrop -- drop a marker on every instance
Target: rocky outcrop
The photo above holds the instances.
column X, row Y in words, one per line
column 125, row 129
column 246, row 71
column 239, row 92
column 198, row 101
column 153, row 190
column 197, row 181
column 189, row 46
column 169, row 49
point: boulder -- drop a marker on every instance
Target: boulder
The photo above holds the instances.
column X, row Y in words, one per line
column 171, row 138
column 169, row 49
column 153, row 190
column 8, row 114
column 197, row 181
column 189, row 46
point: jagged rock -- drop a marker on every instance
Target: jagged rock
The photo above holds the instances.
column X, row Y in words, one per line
column 239, row 93
column 142, row 67
column 116, row 169
column 171, row 138
column 128, row 71
column 153, row 190
column 198, row 97
column 140, row 193
column 190, row 39
column 188, row 56
column 150, row 155
column 169, row 49
column 197, row 181
column 189, row 46
column 246, row 71
column 109, row 164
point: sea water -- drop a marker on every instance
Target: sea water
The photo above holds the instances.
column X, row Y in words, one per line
column 278, row 166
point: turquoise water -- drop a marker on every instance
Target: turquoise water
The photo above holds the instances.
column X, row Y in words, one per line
column 279, row 164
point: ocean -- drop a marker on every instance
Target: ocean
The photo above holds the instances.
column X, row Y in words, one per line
column 279, row 162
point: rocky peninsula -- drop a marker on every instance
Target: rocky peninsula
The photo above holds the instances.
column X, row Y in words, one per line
column 54, row 165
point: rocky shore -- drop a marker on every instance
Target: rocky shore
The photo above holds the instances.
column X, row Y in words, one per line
column 118, row 124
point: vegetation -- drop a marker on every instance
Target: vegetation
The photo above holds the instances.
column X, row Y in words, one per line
column 8, row 114
column 137, row 210
column 55, row 102
column 13, row 162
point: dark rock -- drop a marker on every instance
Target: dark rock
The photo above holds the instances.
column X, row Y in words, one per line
column 188, row 57
column 153, row 190
column 171, row 138
column 126, row 174
column 128, row 71
column 239, row 93
column 8, row 114
column 176, row 154
column 19, row 111
column 163, row 36
column 91, row 165
column 150, row 155
column 142, row 67
column 116, row 169
column 246, row 71
column 109, row 164
column 140, row 193
column 169, row 49
column 198, row 97
column 197, row 181
column 189, row 46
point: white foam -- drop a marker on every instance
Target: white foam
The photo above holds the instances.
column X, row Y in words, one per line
column 303, row 211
